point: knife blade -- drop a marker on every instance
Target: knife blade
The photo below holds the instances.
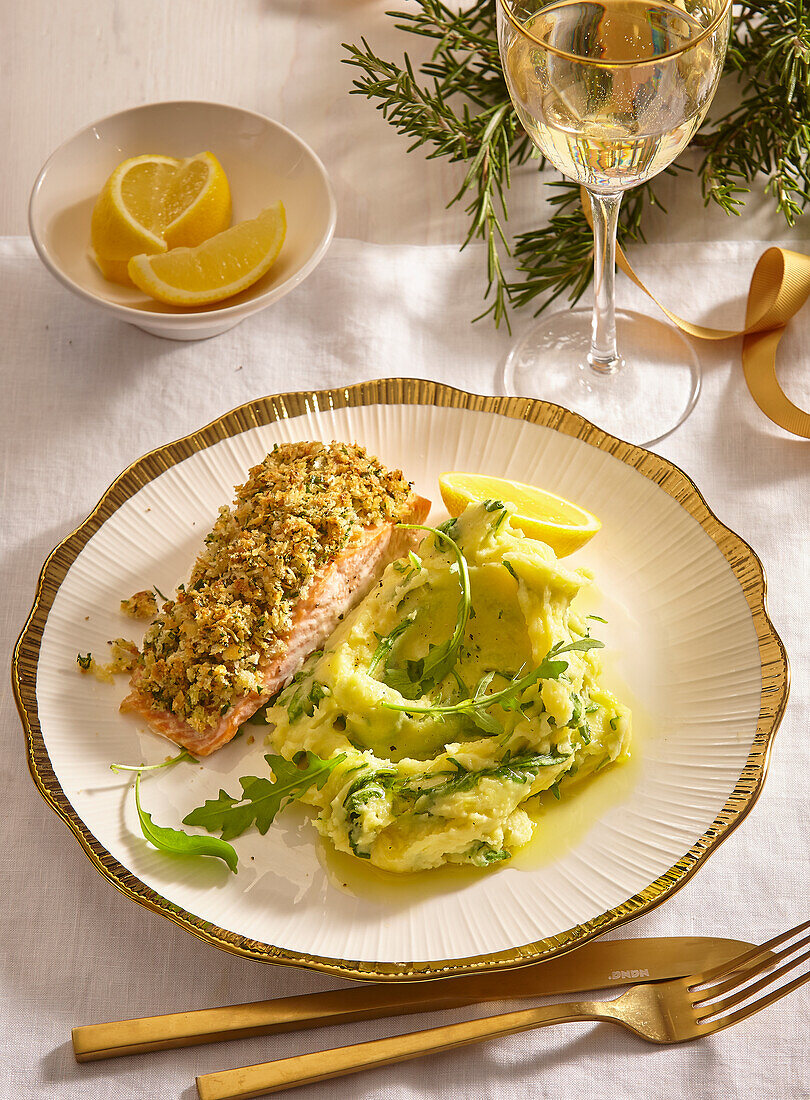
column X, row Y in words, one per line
column 600, row 965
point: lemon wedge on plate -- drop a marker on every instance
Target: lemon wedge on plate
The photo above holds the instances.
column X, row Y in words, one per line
column 216, row 269
column 152, row 203
column 564, row 526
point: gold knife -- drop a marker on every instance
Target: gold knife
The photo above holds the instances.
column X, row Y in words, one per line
column 600, row 965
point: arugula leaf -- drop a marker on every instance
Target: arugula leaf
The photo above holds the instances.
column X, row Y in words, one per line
column 549, row 669
column 501, row 517
column 478, row 713
column 259, row 717
column 424, row 675
column 462, row 687
column 484, row 721
column 371, row 784
column 304, row 702
column 409, row 570
column 576, row 711
column 261, row 799
column 481, row 854
column 483, row 684
column 499, row 507
column 516, row 769
column 184, row 755
column 303, row 671
column 317, row 692
column 386, row 641
column 176, row 842
column 399, row 680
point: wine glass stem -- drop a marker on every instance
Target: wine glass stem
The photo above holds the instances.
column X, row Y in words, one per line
column 604, row 356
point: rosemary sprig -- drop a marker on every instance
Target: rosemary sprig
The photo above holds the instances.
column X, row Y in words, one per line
column 769, row 129
column 461, row 111
column 457, row 106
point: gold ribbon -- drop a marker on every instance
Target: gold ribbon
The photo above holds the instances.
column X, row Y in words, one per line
column 779, row 288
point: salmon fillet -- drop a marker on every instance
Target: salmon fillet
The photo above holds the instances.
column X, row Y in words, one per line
column 334, row 590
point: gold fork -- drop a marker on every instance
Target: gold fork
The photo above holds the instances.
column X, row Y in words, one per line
column 664, row 1012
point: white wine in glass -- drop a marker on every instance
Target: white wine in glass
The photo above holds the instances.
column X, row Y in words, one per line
column 610, row 92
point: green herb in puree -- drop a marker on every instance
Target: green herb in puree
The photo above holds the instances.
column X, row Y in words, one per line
column 437, row 770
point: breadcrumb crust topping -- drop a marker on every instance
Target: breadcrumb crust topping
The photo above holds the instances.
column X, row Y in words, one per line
column 124, row 657
column 143, row 605
column 296, row 512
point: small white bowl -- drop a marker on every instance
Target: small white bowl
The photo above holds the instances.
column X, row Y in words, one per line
column 264, row 161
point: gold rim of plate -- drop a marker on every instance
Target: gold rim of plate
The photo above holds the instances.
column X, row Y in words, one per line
column 742, row 560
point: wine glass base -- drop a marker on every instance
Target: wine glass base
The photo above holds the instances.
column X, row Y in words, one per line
column 652, row 392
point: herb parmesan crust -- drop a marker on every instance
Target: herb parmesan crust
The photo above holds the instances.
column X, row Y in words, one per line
column 142, row 605
column 123, row 658
column 296, row 512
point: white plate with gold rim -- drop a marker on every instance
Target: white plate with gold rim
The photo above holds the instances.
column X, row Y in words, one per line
column 690, row 647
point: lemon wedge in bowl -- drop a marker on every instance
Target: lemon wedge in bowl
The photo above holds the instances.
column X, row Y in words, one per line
column 218, row 268
column 563, row 526
column 152, row 203
column 197, row 202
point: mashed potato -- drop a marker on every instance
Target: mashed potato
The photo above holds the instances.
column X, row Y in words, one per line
column 433, row 772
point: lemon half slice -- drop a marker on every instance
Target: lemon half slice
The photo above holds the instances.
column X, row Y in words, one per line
column 197, row 203
column 564, row 526
column 216, row 269
column 151, row 203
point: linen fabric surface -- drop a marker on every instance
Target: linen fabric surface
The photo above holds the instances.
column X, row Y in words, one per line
column 83, row 396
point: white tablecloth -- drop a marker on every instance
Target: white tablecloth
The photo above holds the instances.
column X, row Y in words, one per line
column 81, row 396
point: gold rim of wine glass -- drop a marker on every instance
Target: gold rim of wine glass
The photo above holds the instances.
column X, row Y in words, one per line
column 603, row 64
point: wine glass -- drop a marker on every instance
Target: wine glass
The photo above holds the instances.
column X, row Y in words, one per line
column 610, row 91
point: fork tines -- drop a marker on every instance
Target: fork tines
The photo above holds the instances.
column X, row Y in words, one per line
column 739, row 976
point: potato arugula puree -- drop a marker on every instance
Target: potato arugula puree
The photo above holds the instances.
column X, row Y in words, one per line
column 461, row 686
